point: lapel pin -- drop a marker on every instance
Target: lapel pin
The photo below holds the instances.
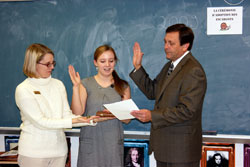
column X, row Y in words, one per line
column 37, row 92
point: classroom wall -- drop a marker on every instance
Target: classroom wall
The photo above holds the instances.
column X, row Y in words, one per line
column 73, row 29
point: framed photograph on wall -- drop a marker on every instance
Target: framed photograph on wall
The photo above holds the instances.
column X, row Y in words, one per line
column 10, row 142
column 136, row 152
column 221, row 156
column 246, row 155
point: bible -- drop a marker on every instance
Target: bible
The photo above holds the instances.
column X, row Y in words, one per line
column 104, row 114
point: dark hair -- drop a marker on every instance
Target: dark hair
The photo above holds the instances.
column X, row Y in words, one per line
column 216, row 155
column 128, row 159
column 211, row 160
column 119, row 84
column 186, row 34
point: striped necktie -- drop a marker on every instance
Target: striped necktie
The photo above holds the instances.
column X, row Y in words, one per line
column 171, row 68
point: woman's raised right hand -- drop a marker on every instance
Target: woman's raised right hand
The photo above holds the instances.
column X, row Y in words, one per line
column 74, row 76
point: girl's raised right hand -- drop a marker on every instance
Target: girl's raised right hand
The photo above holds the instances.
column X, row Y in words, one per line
column 74, row 76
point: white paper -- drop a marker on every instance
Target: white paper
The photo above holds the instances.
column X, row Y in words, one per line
column 224, row 20
column 122, row 109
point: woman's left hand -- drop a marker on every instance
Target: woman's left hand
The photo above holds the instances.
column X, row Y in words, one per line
column 85, row 119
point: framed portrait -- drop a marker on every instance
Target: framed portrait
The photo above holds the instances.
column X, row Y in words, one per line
column 10, row 142
column 136, row 152
column 246, row 155
column 221, row 156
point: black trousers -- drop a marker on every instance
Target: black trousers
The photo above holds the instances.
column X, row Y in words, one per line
column 166, row 164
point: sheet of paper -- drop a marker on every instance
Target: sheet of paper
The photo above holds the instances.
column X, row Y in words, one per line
column 122, row 109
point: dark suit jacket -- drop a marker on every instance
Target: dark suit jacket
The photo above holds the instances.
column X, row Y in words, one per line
column 176, row 129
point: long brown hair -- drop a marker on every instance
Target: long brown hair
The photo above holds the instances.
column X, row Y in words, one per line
column 119, row 84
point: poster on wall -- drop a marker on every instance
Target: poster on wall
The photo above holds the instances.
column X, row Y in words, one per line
column 224, row 20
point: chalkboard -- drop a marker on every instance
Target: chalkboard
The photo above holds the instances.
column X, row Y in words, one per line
column 74, row 29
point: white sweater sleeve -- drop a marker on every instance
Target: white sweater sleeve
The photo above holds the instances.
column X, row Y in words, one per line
column 67, row 112
column 31, row 111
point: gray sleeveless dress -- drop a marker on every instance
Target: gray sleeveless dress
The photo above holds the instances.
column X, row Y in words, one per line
column 100, row 145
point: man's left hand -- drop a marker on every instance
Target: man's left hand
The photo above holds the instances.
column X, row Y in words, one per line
column 143, row 115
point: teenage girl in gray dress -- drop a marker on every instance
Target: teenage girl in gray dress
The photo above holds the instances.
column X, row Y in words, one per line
column 102, row 145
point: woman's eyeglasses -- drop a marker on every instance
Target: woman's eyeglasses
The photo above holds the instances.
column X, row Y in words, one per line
column 49, row 64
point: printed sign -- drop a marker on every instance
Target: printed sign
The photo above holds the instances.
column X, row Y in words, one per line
column 224, row 20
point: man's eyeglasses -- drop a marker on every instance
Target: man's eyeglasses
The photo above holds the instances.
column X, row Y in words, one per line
column 49, row 64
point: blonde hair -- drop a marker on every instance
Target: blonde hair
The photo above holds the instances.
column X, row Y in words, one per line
column 34, row 54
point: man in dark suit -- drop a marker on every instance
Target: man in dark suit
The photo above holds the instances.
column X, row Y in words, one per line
column 176, row 128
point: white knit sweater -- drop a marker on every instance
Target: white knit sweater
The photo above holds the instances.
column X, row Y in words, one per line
column 45, row 113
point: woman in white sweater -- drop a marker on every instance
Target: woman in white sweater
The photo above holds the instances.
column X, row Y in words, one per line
column 45, row 112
